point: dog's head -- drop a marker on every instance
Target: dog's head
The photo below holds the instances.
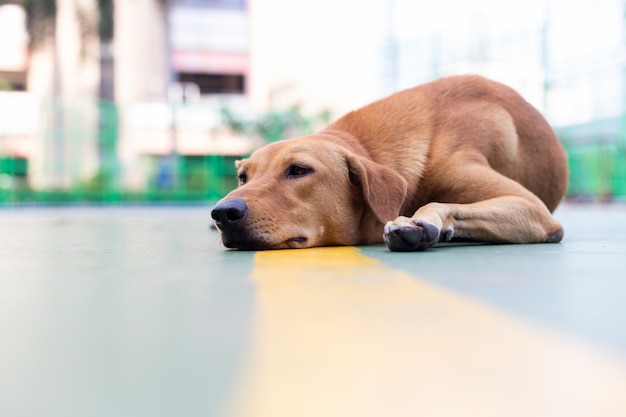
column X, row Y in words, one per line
column 307, row 192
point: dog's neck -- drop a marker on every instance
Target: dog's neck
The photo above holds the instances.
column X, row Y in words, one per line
column 344, row 139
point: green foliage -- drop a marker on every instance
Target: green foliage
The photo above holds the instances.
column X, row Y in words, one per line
column 275, row 124
column 5, row 85
column 98, row 183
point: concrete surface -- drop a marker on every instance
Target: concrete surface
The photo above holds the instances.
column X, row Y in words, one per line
column 140, row 312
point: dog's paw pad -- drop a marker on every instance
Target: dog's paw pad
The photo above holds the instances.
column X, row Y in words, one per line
column 405, row 237
column 446, row 236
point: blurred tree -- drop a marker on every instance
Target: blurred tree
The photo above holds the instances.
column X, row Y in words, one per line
column 105, row 20
column 40, row 20
column 42, row 23
column 71, row 67
column 276, row 124
column 65, row 73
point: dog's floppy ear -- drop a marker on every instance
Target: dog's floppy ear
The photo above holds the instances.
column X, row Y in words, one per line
column 384, row 189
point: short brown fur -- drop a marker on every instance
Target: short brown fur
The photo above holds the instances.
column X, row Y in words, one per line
column 460, row 157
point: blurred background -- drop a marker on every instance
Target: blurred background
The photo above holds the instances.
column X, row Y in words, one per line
column 119, row 101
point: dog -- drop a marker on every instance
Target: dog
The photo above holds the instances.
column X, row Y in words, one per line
column 461, row 157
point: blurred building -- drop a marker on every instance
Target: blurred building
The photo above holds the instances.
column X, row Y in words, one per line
column 18, row 111
column 13, row 48
column 171, row 67
column 172, row 82
column 174, row 64
column 325, row 54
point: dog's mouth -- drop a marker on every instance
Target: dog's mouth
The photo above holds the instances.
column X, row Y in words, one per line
column 244, row 242
column 296, row 242
column 300, row 239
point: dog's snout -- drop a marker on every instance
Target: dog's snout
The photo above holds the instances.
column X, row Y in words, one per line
column 229, row 211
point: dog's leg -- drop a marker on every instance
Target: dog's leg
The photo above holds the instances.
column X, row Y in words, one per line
column 502, row 212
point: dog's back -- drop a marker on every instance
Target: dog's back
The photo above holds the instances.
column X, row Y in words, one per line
column 423, row 126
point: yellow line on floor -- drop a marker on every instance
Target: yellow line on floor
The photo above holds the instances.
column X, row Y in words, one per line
column 340, row 334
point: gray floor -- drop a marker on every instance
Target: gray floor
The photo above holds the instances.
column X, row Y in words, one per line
column 140, row 312
column 578, row 285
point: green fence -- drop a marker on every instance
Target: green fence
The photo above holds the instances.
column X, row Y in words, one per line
column 597, row 171
column 597, row 159
column 201, row 179
column 169, row 178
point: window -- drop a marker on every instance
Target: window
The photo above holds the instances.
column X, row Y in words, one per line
column 213, row 4
column 215, row 83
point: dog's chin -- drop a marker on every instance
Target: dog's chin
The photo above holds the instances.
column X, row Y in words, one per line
column 245, row 244
column 254, row 244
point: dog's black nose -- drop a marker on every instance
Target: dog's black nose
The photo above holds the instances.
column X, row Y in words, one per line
column 229, row 212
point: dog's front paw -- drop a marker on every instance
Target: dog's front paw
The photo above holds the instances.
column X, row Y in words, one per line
column 404, row 235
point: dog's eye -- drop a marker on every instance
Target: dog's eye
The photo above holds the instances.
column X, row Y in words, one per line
column 243, row 178
column 295, row 171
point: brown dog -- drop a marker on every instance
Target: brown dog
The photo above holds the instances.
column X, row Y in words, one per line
column 461, row 157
